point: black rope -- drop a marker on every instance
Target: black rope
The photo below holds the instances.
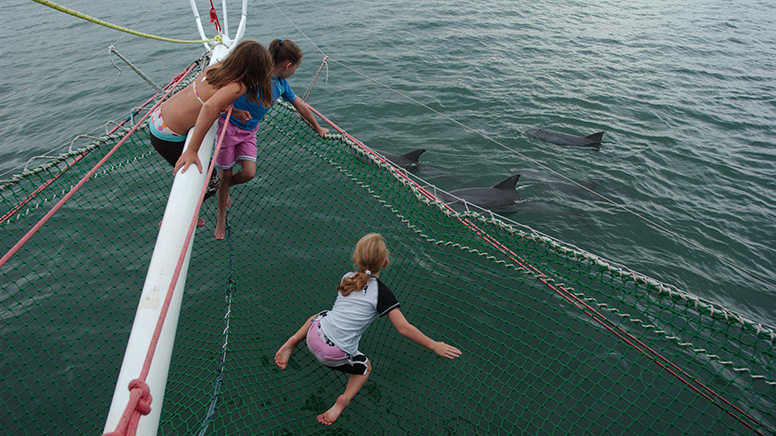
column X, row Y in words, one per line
column 222, row 362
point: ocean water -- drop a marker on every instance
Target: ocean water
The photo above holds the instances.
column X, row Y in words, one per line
column 686, row 93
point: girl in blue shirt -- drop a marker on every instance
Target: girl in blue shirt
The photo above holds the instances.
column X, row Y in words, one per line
column 240, row 139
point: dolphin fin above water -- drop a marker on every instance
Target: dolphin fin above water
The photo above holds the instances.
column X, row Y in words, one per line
column 596, row 137
column 508, row 184
column 561, row 138
column 406, row 160
column 498, row 198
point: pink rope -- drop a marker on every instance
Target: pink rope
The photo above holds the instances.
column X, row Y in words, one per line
column 564, row 293
column 48, row 182
column 214, row 17
column 80, row 183
column 139, row 395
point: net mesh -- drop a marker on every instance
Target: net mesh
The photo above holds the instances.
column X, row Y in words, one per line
column 554, row 340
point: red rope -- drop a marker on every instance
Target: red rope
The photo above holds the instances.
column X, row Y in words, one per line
column 80, row 183
column 75, row 160
column 214, row 17
column 139, row 396
column 566, row 294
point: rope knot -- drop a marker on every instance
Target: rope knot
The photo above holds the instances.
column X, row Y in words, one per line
column 214, row 17
column 144, row 402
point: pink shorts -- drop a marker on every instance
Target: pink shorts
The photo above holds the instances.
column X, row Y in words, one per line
column 330, row 355
column 238, row 144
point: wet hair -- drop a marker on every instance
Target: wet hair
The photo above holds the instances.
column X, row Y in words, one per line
column 250, row 64
column 283, row 50
column 370, row 254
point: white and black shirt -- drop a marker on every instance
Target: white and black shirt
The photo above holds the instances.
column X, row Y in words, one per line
column 348, row 319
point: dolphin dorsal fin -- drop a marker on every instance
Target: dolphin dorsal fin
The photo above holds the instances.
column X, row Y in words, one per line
column 414, row 155
column 596, row 137
column 507, row 184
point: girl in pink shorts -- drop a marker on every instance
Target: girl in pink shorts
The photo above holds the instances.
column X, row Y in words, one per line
column 240, row 137
column 333, row 336
column 238, row 144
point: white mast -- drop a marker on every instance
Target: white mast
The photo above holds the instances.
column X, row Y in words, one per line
column 178, row 214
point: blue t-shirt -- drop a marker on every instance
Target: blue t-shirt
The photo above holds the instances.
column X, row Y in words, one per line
column 280, row 88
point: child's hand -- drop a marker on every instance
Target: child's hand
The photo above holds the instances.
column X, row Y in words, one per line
column 241, row 115
column 445, row 350
column 187, row 158
column 322, row 131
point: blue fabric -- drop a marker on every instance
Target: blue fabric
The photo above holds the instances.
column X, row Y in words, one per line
column 160, row 130
column 280, row 88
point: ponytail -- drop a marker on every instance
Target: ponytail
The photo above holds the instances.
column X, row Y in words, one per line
column 283, row 50
column 369, row 257
column 355, row 283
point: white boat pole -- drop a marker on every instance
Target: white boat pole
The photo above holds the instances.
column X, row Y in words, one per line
column 178, row 214
column 199, row 22
column 241, row 27
column 225, row 27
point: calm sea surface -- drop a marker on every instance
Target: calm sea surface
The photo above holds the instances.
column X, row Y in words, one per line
column 686, row 92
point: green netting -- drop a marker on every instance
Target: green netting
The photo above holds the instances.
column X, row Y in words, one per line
column 538, row 356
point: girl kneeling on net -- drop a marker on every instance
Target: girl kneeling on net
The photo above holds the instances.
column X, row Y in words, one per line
column 333, row 336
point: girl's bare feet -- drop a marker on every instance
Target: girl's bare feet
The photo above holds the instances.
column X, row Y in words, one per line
column 283, row 354
column 220, row 232
column 328, row 417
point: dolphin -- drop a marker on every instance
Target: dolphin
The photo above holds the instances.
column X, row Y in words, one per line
column 560, row 138
column 551, row 183
column 499, row 197
column 406, row 160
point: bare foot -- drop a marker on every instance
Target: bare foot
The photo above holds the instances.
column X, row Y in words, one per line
column 220, row 232
column 328, row 417
column 283, row 354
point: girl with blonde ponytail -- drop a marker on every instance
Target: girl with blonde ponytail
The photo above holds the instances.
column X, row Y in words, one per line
column 333, row 336
column 369, row 257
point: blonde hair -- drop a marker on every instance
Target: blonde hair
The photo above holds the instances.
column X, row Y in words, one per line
column 370, row 254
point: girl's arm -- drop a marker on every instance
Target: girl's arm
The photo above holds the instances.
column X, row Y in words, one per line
column 412, row 333
column 307, row 114
column 208, row 113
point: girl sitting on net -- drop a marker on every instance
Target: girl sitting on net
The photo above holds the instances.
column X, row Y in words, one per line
column 333, row 336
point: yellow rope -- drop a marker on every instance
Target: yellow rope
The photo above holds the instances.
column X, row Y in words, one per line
column 120, row 28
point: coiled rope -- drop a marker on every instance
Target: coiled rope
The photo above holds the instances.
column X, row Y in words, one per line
column 83, row 16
